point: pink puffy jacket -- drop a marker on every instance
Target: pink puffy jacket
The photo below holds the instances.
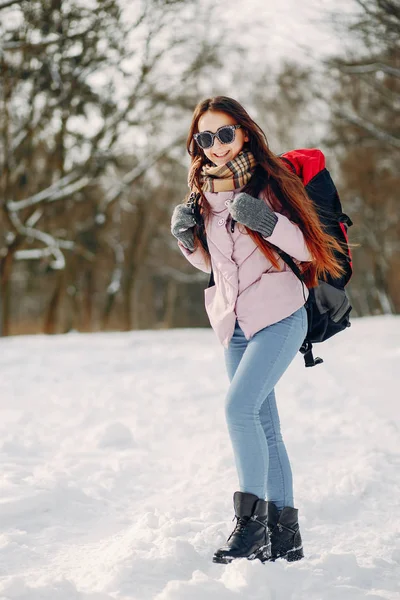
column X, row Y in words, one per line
column 247, row 286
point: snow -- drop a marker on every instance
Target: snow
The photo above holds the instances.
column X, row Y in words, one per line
column 118, row 475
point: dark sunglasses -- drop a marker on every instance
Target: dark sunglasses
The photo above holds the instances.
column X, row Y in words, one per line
column 225, row 134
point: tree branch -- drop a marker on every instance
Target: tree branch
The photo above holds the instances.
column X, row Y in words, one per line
column 370, row 128
column 62, row 188
column 51, row 243
column 370, row 68
column 7, row 3
column 137, row 172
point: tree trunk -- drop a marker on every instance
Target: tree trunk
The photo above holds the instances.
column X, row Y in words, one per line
column 127, row 308
column 136, row 291
column 136, row 253
column 50, row 322
column 170, row 299
column 382, row 290
column 5, row 293
column 87, row 309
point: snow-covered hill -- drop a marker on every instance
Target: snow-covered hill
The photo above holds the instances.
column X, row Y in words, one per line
column 117, row 472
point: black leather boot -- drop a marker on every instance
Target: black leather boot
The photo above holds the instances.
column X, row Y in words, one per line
column 284, row 533
column 250, row 538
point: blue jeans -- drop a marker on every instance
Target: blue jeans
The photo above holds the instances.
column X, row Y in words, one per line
column 254, row 368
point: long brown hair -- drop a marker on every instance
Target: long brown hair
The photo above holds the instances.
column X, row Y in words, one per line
column 293, row 199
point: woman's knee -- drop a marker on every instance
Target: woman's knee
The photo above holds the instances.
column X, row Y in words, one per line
column 232, row 409
column 240, row 411
column 236, row 410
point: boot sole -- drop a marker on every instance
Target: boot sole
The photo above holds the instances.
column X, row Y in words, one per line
column 263, row 554
column 291, row 555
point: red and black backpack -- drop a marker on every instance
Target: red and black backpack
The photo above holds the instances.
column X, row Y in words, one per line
column 328, row 307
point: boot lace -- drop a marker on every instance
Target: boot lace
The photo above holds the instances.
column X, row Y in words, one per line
column 241, row 525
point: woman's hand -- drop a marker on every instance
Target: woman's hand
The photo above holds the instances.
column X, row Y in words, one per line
column 182, row 223
column 254, row 213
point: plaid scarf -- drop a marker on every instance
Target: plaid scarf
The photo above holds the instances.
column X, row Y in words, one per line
column 234, row 174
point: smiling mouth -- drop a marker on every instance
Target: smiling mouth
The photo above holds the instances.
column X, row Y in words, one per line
column 221, row 155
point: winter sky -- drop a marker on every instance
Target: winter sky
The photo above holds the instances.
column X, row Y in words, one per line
column 307, row 29
column 292, row 29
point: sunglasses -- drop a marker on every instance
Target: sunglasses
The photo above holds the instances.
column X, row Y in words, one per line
column 225, row 134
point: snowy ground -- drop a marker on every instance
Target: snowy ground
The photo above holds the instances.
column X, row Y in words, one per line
column 118, row 475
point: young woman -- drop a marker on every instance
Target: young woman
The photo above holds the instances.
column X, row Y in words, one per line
column 250, row 205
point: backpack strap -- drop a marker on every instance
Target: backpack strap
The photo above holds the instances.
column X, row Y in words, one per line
column 306, row 347
column 290, row 262
column 309, row 360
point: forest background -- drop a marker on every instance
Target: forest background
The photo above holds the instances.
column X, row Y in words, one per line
column 95, row 102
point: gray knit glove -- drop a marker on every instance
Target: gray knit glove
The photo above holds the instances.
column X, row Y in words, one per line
column 254, row 213
column 182, row 223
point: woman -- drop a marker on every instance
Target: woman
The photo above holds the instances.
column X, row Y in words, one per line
column 256, row 305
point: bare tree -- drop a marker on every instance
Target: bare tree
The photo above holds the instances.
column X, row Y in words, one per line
column 366, row 135
column 76, row 84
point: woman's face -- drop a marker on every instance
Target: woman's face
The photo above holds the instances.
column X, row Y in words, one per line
column 219, row 153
